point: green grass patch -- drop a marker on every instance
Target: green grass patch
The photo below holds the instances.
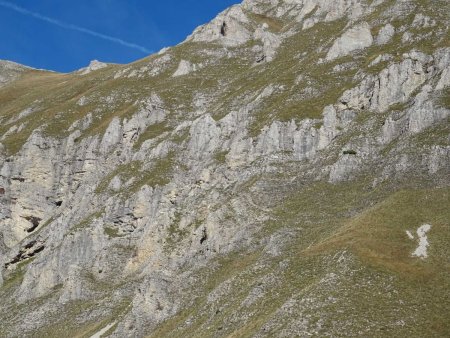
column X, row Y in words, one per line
column 124, row 171
column 221, row 156
column 444, row 98
column 111, row 232
column 87, row 221
column 158, row 174
column 151, row 132
column 16, row 276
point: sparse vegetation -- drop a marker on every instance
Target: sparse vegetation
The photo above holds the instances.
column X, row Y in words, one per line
column 112, row 232
column 220, row 156
column 444, row 100
column 87, row 221
column 151, row 132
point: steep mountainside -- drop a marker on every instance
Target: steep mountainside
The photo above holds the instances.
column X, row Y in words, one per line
column 283, row 172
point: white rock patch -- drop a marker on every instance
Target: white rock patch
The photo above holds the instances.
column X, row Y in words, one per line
column 103, row 331
column 184, row 68
column 410, row 235
column 386, row 34
column 93, row 66
column 421, row 250
column 445, row 79
column 356, row 38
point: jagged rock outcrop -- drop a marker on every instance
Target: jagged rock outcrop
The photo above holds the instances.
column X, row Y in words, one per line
column 184, row 68
column 358, row 37
column 228, row 28
column 9, row 71
column 393, row 85
column 93, row 66
column 385, row 35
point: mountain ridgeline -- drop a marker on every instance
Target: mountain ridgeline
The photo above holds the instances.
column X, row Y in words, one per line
column 283, row 172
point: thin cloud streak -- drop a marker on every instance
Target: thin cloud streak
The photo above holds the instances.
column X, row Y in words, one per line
column 73, row 27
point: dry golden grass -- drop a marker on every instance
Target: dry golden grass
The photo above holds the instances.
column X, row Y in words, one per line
column 378, row 235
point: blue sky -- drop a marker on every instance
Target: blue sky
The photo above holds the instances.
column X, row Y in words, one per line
column 64, row 35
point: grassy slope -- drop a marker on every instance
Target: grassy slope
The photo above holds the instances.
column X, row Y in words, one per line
column 380, row 285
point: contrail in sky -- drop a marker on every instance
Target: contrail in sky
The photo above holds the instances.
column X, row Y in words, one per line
column 72, row 27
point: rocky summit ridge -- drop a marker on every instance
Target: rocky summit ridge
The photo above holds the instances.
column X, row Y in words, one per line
column 283, row 172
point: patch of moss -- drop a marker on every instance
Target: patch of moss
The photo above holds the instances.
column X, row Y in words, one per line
column 158, row 174
column 151, row 132
column 220, row 156
column 444, row 98
column 175, row 234
column 124, row 171
column 111, row 232
column 16, row 277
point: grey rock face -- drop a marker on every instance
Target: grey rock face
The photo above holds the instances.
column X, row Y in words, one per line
column 394, row 84
column 344, row 168
column 204, row 137
column 322, row 10
column 356, row 38
column 29, row 178
column 385, row 35
column 93, row 66
column 9, row 71
column 228, row 28
column 184, row 68
column 270, row 41
column 301, row 141
column 191, row 187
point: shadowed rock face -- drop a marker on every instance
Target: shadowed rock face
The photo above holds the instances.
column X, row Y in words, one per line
column 256, row 180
